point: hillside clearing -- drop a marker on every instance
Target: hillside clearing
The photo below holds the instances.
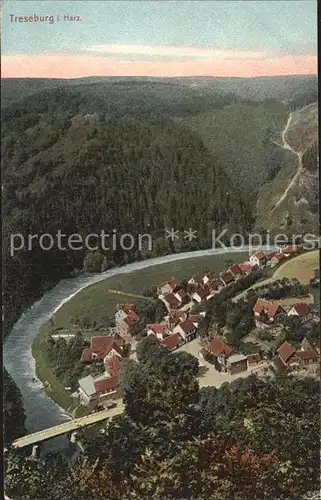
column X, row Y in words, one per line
column 301, row 267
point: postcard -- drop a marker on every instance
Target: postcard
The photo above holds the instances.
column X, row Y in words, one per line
column 160, row 250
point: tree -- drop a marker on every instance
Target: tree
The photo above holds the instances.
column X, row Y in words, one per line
column 93, row 262
column 127, row 367
column 148, row 348
column 106, row 264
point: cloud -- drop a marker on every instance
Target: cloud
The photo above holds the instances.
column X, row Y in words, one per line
column 73, row 66
column 172, row 52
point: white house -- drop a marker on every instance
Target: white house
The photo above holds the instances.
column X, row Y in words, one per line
column 187, row 330
column 182, row 296
column 197, row 279
column 201, row 293
column 300, row 310
column 259, row 259
column 120, row 316
column 167, row 287
column 170, row 301
column 209, row 277
column 94, row 391
column 158, row 329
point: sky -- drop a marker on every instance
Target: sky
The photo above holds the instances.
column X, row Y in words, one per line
column 159, row 38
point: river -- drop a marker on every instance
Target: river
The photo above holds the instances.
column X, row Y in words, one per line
column 41, row 411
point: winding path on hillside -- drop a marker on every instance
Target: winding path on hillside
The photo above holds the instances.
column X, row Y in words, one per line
column 285, row 145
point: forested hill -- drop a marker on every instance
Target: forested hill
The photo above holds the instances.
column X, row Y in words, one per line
column 134, row 175
column 295, row 90
column 119, row 98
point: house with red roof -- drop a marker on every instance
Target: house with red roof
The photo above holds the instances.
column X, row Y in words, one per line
column 217, row 347
column 253, row 359
column 102, row 348
column 170, row 301
column 95, row 391
column 309, row 357
column 221, row 351
column 288, row 359
column 125, row 318
column 306, row 345
column 197, row 279
column 197, row 318
column 182, row 296
column 124, row 311
column 113, row 366
column 201, row 293
column 266, row 311
column 172, row 342
column 259, row 259
column 289, row 250
column 247, row 267
column 174, row 317
column 216, row 285
column 309, row 352
column 160, row 330
column 236, row 271
column 301, row 310
column 186, row 329
column 276, row 258
column 167, row 287
column 209, row 276
column 227, row 278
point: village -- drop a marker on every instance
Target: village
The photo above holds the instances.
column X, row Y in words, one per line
column 182, row 328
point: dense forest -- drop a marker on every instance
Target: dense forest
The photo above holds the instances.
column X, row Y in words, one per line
column 253, row 438
column 134, row 175
column 120, row 98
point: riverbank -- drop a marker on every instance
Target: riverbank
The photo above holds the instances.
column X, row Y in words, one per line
column 51, row 383
column 94, row 302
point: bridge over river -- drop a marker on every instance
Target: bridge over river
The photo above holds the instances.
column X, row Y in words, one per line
column 71, row 426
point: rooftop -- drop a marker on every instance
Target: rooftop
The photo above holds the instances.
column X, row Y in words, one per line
column 235, row 358
column 301, row 308
column 187, row 326
column 260, row 255
column 285, row 351
column 156, row 328
column 172, row 300
column 267, row 306
column 218, row 347
column 87, row 385
column 172, row 341
column 105, row 384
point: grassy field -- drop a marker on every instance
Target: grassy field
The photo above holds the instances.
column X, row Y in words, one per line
column 100, row 300
column 300, row 267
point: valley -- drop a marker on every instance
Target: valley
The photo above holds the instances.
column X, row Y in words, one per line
column 147, row 155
